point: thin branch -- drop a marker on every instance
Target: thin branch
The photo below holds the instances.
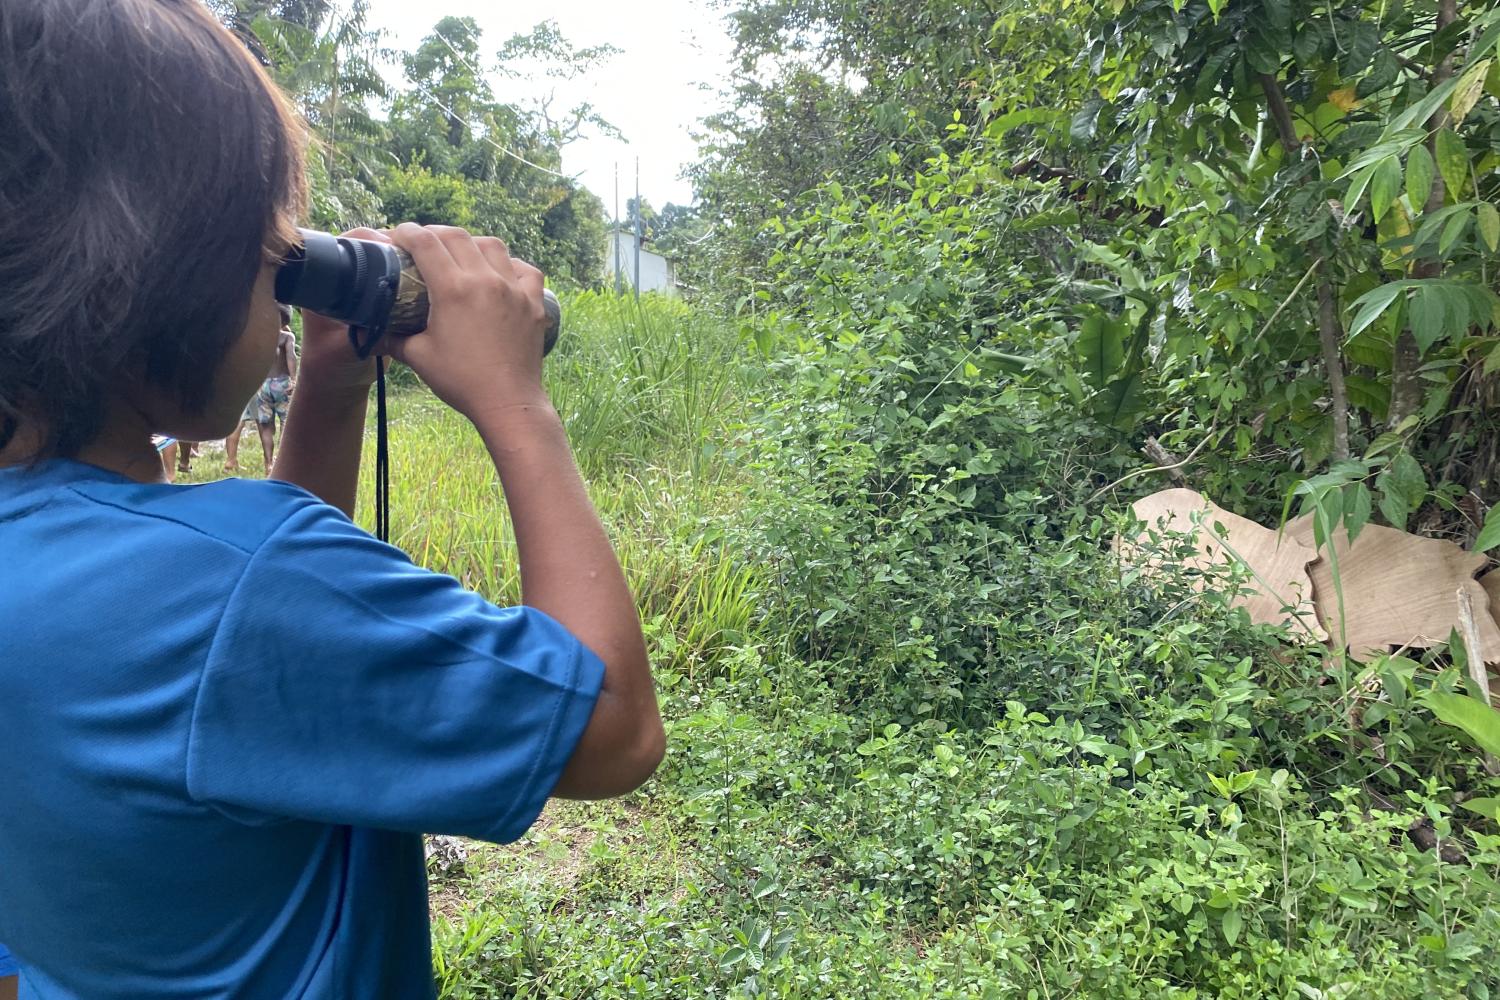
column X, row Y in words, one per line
column 1286, row 129
column 1158, row 468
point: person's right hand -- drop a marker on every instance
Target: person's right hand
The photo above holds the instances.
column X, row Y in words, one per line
column 486, row 322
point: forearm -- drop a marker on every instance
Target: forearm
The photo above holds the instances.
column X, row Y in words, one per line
column 320, row 447
column 568, row 566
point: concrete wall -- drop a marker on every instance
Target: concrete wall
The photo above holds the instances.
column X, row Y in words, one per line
column 658, row 274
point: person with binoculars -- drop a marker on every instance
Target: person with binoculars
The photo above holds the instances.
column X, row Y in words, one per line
column 230, row 713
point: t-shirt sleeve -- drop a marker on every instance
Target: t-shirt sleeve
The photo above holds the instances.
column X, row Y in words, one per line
column 347, row 685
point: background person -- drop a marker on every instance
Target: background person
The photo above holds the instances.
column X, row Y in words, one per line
column 270, row 402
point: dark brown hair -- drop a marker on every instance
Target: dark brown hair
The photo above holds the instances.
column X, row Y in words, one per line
column 148, row 167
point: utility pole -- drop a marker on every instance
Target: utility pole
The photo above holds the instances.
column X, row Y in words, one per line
column 614, row 230
column 638, row 233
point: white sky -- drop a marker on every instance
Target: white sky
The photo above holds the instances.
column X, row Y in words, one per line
column 650, row 91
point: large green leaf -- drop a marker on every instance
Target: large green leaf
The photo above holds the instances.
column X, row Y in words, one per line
column 1370, row 305
column 1418, row 114
column 1384, row 185
column 1120, row 401
column 1428, row 315
column 1393, row 144
column 1419, row 173
column 1470, row 86
column 1369, row 395
column 1489, row 535
column 1383, row 72
column 1452, row 162
column 1489, row 225
column 1452, row 230
column 1311, row 34
column 1101, row 349
column 1359, row 45
column 1278, row 13
column 1474, row 717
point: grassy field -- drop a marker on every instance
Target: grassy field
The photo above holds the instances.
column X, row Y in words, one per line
column 1140, row 801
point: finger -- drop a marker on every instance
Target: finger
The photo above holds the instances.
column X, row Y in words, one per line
column 366, row 233
column 439, row 271
column 530, row 280
column 461, row 246
column 496, row 253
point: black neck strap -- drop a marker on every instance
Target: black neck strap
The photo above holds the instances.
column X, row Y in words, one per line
column 364, row 341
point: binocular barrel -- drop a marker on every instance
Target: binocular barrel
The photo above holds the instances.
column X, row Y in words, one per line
column 370, row 285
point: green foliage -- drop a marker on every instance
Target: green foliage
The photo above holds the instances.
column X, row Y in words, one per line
column 441, row 149
column 415, row 194
column 1176, row 186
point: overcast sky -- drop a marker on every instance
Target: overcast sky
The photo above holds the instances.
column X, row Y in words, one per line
column 651, row 91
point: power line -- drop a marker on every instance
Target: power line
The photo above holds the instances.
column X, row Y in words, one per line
column 475, row 130
column 389, row 57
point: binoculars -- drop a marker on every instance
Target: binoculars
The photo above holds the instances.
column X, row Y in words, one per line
column 374, row 287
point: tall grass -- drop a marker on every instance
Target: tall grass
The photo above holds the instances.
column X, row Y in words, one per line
column 646, row 383
column 645, row 390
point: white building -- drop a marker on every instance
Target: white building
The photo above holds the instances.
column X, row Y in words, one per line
column 658, row 274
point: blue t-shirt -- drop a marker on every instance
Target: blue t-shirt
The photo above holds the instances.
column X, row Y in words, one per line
column 7, row 964
column 228, row 714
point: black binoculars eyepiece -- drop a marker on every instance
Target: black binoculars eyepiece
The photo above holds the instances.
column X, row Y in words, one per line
column 374, row 287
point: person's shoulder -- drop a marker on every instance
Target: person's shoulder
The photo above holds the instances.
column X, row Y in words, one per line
column 241, row 513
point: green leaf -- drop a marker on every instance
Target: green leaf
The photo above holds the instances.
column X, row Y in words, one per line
column 1419, row 113
column 1370, row 305
column 1489, row 535
column 1395, row 143
column 1101, row 346
column 1383, row 72
column 1310, row 38
column 1452, row 162
column 1478, row 720
column 1120, row 401
column 1393, row 507
column 1452, row 230
column 1359, row 45
column 1466, row 95
column 1357, row 188
column 1384, row 185
column 1432, row 224
column 1231, row 923
column 1427, row 316
column 1488, row 808
column 1368, row 394
column 1086, row 121
column 1489, row 225
column 1278, row 13
column 1419, row 171
column 1407, row 476
column 1357, row 510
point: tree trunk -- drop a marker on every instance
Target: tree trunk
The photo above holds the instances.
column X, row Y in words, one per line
column 1330, row 330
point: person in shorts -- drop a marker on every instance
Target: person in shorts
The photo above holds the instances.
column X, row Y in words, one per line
column 269, row 404
column 166, row 447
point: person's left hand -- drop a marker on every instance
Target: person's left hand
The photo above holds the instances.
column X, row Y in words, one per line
column 328, row 360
